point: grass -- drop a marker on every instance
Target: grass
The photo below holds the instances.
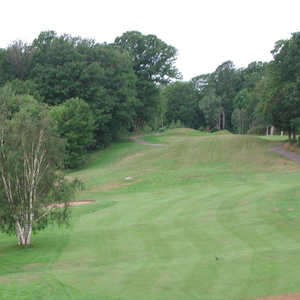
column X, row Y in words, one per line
column 203, row 217
column 280, row 138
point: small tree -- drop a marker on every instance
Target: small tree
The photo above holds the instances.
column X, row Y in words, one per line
column 31, row 184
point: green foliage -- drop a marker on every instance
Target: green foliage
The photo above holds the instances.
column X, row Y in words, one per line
column 30, row 157
column 176, row 124
column 182, row 104
column 153, row 63
column 153, row 60
column 239, row 119
column 11, row 102
column 257, row 130
column 226, row 96
column 26, row 87
column 225, row 81
column 67, row 67
column 211, row 106
column 75, row 123
column 241, row 99
column 283, row 104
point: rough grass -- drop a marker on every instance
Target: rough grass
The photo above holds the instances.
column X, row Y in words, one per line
column 293, row 147
column 203, row 217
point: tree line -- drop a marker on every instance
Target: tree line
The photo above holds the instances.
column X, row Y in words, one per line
column 98, row 91
column 244, row 100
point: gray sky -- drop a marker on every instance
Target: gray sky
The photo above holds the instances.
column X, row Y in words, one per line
column 206, row 33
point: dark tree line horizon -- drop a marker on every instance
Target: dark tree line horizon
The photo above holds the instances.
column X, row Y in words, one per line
column 97, row 92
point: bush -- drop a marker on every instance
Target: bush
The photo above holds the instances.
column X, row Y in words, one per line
column 75, row 123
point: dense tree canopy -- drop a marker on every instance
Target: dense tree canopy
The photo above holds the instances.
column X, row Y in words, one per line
column 154, row 63
column 153, row 60
column 283, row 105
column 182, row 104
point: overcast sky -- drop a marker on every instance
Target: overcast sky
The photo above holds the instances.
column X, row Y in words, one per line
column 206, row 33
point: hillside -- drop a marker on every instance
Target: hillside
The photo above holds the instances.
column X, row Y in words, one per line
column 200, row 217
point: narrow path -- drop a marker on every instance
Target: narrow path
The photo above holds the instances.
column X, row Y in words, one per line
column 138, row 140
column 290, row 155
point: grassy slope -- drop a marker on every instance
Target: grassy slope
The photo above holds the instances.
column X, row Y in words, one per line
column 158, row 235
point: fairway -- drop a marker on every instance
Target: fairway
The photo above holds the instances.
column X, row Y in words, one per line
column 201, row 217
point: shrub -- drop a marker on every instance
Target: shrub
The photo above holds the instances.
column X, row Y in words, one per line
column 75, row 123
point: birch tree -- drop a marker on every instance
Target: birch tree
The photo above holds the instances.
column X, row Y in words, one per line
column 31, row 185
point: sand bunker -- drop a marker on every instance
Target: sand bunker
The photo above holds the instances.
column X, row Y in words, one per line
column 73, row 203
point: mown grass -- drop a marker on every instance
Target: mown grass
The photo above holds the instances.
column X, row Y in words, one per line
column 203, row 217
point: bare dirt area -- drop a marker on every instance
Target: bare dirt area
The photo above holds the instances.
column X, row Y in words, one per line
column 73, row 203
column 140, row 141
column 282, row 297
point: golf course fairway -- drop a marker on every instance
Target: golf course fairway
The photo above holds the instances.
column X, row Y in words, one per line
column 201, row 216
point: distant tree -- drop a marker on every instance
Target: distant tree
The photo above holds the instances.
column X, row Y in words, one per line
column 20, row 57
column 226, row 84
column 211, row 106
column 201, row 82
column 283, row 105
column 252, row 74
column 30, row 181
column 182, row 104
column 240, row 118
column 159, row 120
column 153, row 60
column 154, row 63
column 75, row 123
column 5, row 68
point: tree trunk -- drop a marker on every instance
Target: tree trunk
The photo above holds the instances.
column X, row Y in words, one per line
column 223, row 125
column 218, row 122
column 272, row 130
column 24, row 234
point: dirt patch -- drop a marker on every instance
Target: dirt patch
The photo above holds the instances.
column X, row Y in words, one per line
column 282, row 297
column 290, row 155
column 73, row 203
column 292, row 147
column 140, row 141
